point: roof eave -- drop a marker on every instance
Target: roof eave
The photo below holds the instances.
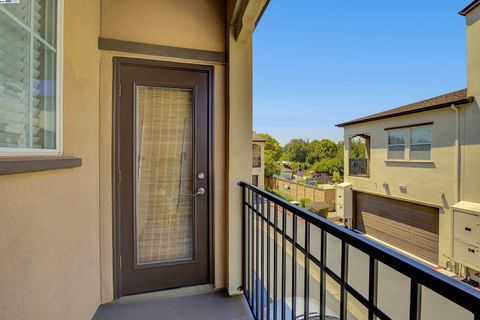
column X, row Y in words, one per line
column 435, row 107
column 469, row 8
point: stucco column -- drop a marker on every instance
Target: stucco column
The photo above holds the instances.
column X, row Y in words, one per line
column 239, row 164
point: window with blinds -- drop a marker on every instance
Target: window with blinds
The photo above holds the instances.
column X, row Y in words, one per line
column 28, row 76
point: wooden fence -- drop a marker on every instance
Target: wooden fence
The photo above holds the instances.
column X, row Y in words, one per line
column 299, row 191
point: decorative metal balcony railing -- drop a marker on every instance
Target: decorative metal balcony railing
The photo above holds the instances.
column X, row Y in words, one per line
column 358, row 167
column 298, row 265
column 257, row 162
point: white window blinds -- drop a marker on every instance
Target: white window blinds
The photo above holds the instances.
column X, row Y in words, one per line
column 28, row 71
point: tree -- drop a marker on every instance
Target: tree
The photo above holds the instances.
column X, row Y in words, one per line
column 271, row 165
column 358, row 148
column 296, row 150
column 321, row 149
column 329, row 166
column 272, row 145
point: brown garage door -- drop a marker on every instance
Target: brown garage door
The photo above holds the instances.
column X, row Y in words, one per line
column 408, row 226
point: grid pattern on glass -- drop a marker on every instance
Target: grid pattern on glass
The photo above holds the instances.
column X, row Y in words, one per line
column 164, row 209
column 420, row 143
column 396, row 144
column 28, row 68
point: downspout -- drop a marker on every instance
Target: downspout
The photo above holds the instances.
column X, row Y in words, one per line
column 458, row 167
column 458, row 158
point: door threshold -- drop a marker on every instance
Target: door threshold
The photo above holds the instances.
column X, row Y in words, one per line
column 178, row 292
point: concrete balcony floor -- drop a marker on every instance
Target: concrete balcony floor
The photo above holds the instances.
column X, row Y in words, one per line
column 209, row 305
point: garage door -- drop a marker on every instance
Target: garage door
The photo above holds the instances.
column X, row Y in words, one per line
column 408, row 226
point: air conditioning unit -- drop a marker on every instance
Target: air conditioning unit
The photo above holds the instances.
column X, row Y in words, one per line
column 466, row 234
column 344, row 201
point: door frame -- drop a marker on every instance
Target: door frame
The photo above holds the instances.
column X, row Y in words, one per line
column 118, row 63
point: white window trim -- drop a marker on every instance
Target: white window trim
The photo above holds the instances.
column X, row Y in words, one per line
column 397, row 145
column 58, row 151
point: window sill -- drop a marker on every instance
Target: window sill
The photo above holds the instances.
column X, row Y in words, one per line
column 410, row 161
column 359, row 175
column 15, row 165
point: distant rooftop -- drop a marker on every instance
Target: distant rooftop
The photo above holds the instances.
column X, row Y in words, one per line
column 257, row 138
column 470, row 7
column 445, row 100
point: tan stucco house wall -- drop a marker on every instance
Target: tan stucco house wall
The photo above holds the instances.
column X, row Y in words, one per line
column 49, row 221
column 56, row 226
column 471, row 183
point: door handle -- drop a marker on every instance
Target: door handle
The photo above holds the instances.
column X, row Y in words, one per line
column 200, row 191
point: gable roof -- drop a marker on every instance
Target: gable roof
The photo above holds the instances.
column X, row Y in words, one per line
column 445, row 100
column 257, row 138
column 470, row 7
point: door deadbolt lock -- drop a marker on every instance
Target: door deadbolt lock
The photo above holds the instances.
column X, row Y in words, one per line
column 200, row 191
column 201, row 175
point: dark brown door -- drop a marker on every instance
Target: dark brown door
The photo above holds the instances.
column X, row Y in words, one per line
column 408, row 226
column 163, row 143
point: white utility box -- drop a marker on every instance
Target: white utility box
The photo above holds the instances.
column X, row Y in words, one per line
column 466, row 234
column 344, row 200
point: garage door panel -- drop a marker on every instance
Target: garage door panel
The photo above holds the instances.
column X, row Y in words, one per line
column 408, row 226
column 425, row 253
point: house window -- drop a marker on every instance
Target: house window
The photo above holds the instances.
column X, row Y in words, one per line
column 255, row 180
column 396, row 145
column 29, row 77
column 359, row 155
column 256, row 156
column 420, row 143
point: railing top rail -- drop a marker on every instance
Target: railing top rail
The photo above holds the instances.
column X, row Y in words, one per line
column 461, row 294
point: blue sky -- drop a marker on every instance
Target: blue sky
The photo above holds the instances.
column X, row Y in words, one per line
column 322, row 62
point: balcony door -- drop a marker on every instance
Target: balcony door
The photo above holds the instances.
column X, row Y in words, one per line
column 163, row 178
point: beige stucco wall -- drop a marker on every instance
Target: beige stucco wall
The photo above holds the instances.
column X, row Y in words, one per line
column 432, row 183
column 49, row 228
column 179, row 23
column 471, row 183
column 121, row 20
column 260, row 171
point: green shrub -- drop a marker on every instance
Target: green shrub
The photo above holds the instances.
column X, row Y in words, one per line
column 336, row 177
column 304, row 202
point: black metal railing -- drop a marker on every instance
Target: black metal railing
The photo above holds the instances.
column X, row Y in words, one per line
column 257, row 162
column 298, row 265
column 358, row 167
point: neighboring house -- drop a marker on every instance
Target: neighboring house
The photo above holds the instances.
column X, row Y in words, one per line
column 414, row 171
column 286, row 172
column 258, row 160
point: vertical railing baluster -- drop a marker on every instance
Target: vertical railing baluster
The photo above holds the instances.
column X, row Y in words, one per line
column 257, row 267
column 244, row 240
column 284, row 264
column 306, row 293
column 262, row 257
column 252, row 257
column 372, row 287
column 275, row 264
column 415, row 300
column 249, row 242
column 268, row 259
column 294, row 267
column 344, row 275
column 323, row 256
